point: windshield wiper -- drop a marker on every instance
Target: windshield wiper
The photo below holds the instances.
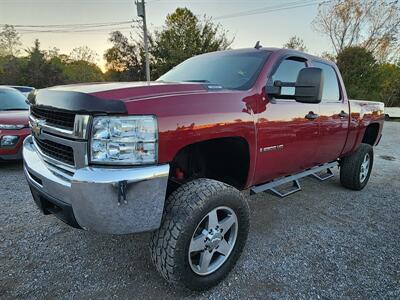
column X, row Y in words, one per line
column 197, row 80
column 7, row 109
column 205, row 81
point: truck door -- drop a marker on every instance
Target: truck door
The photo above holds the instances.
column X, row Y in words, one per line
column 287, row 130
column 334, row 116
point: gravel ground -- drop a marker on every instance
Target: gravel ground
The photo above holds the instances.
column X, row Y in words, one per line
column 325, row 242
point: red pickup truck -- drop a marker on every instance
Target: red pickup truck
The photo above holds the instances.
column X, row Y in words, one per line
column 171, row 156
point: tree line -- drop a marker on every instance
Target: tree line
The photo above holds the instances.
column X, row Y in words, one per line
column 184, row 35
column 364, row 36
column 40, row 68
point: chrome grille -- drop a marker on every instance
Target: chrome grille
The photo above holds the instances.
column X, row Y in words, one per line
column 56, row 118
column 56, row 151
column 60, row 137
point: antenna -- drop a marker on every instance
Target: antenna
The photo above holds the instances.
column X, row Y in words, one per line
column 258, row 45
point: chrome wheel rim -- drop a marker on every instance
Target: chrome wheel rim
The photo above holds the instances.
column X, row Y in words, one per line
column 364, row 171
column 213, row 241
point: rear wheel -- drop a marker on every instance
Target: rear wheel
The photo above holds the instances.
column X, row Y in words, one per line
column 355, row 169
column 204, row 230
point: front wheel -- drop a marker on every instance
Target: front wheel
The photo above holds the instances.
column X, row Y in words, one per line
column 355, row 169
column 203, row 233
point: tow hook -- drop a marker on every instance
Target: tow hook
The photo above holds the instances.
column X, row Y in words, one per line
column 122, row 187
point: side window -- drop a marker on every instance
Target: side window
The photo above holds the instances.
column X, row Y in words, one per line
column 287, row 72
column 331, row 91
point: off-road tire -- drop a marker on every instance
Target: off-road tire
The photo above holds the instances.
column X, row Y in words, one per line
column 185, row 208
column 350, row 168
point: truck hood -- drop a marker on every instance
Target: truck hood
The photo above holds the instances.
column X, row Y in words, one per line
column 127, row 91
column 14, row 117
column 111, row 97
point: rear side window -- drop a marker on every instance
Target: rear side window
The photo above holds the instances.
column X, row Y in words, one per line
column 331, row 91
column 288, row 71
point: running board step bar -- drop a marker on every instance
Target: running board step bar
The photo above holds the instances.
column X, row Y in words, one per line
column 315, row 172
column 323, row 177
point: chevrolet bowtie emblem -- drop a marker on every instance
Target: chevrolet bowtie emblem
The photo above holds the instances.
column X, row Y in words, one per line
column 36, row 127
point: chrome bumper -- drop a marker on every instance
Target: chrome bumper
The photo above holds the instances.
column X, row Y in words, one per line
column 106, row 200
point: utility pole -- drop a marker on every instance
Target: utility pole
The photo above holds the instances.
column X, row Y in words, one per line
column 141, row 12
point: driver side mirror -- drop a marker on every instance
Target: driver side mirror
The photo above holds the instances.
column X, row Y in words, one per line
column 308, row 86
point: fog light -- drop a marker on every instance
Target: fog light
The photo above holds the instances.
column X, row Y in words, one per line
column 9, row 140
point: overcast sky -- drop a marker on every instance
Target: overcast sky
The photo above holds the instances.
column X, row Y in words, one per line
column 271, row 28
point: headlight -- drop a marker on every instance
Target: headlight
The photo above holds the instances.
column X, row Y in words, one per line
column 12, row 127
column 124, row 140
column 8, row 140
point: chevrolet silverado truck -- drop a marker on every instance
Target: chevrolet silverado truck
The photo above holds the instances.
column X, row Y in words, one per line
column 171, row 156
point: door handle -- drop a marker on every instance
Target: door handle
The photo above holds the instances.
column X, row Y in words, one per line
column 311, row 116
column 343, row 114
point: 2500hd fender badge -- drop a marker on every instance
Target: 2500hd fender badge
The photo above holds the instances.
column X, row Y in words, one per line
column 271, row 148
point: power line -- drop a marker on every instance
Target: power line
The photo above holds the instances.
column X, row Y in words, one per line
column 66, row 26
column 268, row 9
column 73, row 31
column 72, row 28
column 110, row 26
column 280, row 5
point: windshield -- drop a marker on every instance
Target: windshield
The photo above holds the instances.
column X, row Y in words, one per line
column 12, row 100
column 231, row 70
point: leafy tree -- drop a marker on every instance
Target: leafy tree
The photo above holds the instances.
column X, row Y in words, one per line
column 389, row 84
column 9, row 41
column 296, row 43
column 328, row 56
column 35, row 68
column 359, row 71
column 81, row 66
column 373, row 24
column 52, row 53
column 11, row 66
column 54, row 71
column 48, row 68
column 82, row 71
column 11, row 70
column 123, row 58
column 39, row 72
column 184, row 36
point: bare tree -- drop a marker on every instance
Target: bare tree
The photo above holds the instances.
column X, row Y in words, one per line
column 373, row 24
column 83, row 53
column 9, row 41
column 296, row 43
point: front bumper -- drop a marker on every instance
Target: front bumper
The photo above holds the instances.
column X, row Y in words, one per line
column 102, row 199
column 14, row 156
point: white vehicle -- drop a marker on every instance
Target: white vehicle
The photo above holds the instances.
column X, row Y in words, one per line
column 392, row 112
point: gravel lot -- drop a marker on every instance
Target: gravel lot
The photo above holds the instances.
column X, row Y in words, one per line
column 325, row 242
